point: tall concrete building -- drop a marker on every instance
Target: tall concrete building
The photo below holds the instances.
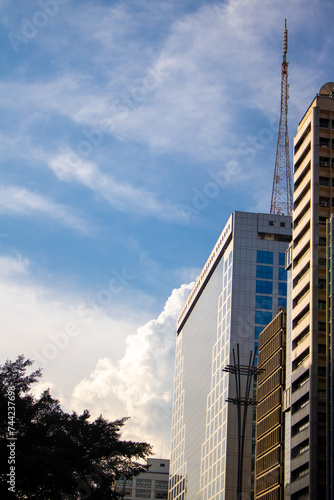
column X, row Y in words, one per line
column 269, row 450
column 311, row 286
column 236, row 295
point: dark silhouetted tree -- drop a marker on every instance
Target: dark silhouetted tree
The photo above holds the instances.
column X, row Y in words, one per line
column 59, row 455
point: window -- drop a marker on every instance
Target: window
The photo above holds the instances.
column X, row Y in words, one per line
column 263, row 302
column 263, row 317
column 323, row 201
column 265, row 287
column 265, row 272
column 160, row 494
column 323, row 141
column 281, row 274
column 258, row 330
column 323, row 181
column 281, row 259
column 143, row 493
column 322, row 241
column 128, row 482
column 324, row 161
column 161, row 485
column 282, row 224
column 322, row 283
column 282, row 302
column 264, row 257
column 303, row 137
column 144, row 483
column 271, row 223
column 282, row 288
column 324, row 122
column 322, row 348
column 300, row 448
column 322, row 371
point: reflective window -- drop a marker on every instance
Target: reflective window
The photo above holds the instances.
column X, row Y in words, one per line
column 263, row 302
column 265, row 272
column 258, row 330
column 146, row 483
column 143, row 493
column 281, row 274
column 282, row 302
column 263, row 317
column 266, row 287
column 264, row 257
column 160, row 494
column 162, row 485
column 282, row 289
column 281, row 259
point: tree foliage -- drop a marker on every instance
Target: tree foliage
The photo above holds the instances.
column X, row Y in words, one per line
column 58, row 455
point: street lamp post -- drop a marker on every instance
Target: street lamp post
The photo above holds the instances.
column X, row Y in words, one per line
column 244, row 401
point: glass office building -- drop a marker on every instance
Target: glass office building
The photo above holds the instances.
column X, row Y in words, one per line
column 237, row 294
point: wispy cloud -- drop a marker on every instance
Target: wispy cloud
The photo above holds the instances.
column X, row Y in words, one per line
column 15, row 200
column 187, row 93
column 68, row 166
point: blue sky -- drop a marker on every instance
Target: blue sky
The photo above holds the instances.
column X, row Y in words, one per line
column 130, row 131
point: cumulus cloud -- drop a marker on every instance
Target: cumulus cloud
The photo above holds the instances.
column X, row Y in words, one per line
column 139, row 385
column 64, row 330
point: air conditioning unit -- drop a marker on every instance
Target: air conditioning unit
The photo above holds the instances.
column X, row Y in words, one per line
column 324, row 204
column 324, row 164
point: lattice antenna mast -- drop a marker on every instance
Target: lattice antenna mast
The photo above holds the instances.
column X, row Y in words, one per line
column 281, row 198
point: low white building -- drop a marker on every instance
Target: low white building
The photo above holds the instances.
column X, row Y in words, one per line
column 152, row 484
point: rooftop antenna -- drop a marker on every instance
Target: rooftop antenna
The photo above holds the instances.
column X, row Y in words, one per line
column 281, row 198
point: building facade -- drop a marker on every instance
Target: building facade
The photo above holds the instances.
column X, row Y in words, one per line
column 313, row 204
column 152, row 484
column 269, row 456
column 237, row 294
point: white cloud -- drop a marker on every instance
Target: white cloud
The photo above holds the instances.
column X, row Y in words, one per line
column 68, row 166
column 64, row 330
column 140, row 384
column 190, row 92
column 15, row 200
column 13, row 266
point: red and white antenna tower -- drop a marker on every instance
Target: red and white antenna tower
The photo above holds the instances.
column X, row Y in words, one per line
column 281, row 198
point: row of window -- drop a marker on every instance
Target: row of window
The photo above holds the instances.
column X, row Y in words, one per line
column 325, row 142
column 266, row 272
column 266, row 257
column 325, row 122
column 324, row 161
column 266, row 288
